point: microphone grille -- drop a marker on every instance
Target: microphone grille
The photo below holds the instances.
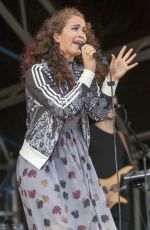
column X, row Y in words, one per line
column 82, row 44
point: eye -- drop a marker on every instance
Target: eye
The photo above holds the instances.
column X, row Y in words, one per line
column 84, row 30
column 75, row 28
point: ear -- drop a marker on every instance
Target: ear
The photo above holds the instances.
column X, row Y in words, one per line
column 57, row 37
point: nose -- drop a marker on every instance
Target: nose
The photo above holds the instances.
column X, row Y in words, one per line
column 82, row 34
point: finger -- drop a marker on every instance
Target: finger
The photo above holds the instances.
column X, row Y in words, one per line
column 120, row 55
column 87, row 47
column 90, row 53
column 89, row 50
column 113, row 58
column 84, row 48
column 127, row 54
column 131, row 58
column 132, row 66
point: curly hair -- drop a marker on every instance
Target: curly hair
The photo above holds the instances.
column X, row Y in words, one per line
column 45, row 47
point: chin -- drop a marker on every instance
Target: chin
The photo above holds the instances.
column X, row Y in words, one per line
column 77, row 53
column 74, row 54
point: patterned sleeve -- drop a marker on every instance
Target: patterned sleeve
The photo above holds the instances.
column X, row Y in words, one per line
column 39, row 85
column 97, row 103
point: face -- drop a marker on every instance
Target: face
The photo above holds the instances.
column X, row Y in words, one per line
column 73, row 34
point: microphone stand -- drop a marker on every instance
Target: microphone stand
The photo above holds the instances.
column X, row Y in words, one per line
column 145, row 154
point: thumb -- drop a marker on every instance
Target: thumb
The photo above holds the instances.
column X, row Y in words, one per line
column 113, row 59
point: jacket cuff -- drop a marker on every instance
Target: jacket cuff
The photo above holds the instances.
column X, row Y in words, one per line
column 32, row 155
column 109, row 87
column 87, row 77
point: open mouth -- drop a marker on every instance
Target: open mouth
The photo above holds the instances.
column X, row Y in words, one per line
column 78, row 43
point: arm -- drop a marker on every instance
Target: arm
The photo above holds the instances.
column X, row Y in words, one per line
column 98, row 105
column 39, row 86
column 121, row 64
column 99, row 101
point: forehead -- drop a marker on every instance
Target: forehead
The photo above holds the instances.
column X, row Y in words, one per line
column 75, row 20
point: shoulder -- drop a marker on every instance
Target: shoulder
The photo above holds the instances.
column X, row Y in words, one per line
column 40, row 71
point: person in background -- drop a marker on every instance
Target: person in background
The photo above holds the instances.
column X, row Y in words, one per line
column 102, row 152
column 57, row 181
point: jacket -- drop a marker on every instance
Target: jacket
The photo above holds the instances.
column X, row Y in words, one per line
column 49, row 106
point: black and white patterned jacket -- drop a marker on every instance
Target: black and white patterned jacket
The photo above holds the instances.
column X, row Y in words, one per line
column 48, row 107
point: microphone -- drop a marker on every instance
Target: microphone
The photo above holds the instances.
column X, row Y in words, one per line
column 98, row 56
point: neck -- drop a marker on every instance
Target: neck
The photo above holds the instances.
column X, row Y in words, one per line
column 106, row 125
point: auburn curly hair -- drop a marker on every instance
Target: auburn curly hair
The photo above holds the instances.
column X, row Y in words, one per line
column 45, row 47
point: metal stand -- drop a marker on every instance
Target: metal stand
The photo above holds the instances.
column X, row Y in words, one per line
column 140, row 178
column 137, row 188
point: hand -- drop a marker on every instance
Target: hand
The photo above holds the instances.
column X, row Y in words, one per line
column 87, row 56
column 121, row 64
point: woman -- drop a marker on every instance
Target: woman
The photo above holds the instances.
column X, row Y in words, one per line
column 57, row 182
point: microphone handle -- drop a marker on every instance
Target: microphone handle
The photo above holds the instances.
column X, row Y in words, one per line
column 97, row 55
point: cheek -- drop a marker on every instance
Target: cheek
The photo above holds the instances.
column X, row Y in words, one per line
column 65, row 41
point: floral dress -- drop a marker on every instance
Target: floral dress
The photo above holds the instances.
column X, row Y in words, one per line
column 65, row 193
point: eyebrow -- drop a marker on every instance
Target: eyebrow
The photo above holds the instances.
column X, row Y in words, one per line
column 78, row 25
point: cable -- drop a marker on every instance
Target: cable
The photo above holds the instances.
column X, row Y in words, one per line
column 115, row 151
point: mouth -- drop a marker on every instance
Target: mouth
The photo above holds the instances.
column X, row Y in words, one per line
column 78, row 44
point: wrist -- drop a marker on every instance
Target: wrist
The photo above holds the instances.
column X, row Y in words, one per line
column 87, row 77
column 109, row 87
column 111, row 78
